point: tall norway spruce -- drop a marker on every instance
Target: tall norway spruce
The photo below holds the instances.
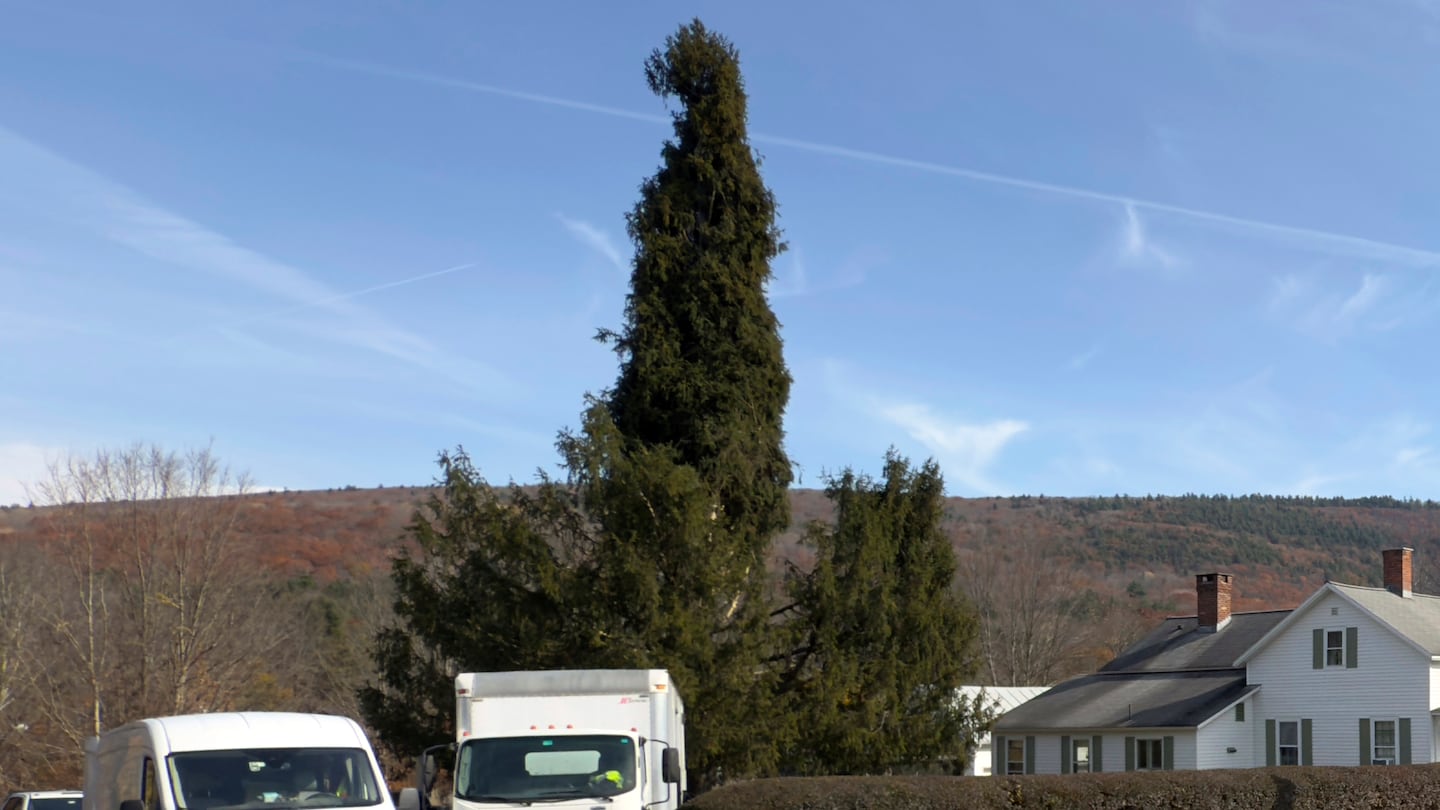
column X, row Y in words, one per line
column 701, row 367
column 697, row 410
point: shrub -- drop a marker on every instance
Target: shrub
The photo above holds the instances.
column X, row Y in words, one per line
column 1414, row 786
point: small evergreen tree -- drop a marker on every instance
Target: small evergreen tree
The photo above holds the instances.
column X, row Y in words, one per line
column 493, row 585
column 882, row 640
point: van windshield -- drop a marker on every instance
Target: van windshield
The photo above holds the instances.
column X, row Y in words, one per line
column 273, row 778
column 535, row 768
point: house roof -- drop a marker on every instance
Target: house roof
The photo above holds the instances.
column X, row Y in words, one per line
column 1178, row 675
column 1130, row 700
column 1002, row 698
column 1417, row 617
column 1414, row 618
column 1177, row 644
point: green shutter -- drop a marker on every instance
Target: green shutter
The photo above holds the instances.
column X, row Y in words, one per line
column 1306, row 735
column 1065, row 755
column 1365, row 752
column 1352, row 647
column 1029, row 754
column 999, row 756
column 1318, row 637
column 1097, row 754
column 1169, row 753
column 1129, row 753
column 1270, row 743
column 1404, row 741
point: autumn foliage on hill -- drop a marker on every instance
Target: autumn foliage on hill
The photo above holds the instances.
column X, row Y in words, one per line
column 1150, row 548
column 1062, row 584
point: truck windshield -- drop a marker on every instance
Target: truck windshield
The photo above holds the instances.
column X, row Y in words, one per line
column 273, row 778
column 545, row 767
column 55, row 803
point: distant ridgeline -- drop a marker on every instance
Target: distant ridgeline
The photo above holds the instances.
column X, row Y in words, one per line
column 1305, row 538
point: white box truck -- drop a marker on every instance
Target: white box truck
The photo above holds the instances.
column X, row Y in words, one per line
column 257, row 760
column 564, row 738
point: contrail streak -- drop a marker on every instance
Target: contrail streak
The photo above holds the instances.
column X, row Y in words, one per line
column 1315, row 238
column 346, row 296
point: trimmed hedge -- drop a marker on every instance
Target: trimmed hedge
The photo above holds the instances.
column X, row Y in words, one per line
column 1311, row 788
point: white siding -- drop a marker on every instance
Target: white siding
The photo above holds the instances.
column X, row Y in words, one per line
column 1048, row 751
column 1393, row 680
column 1434, row 704
column 1223, row 732
column 1184, row 750
column 979, row 764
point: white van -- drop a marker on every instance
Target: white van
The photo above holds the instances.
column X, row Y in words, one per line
column 259, row 760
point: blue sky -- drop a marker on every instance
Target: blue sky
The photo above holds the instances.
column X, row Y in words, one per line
column 1063, row 248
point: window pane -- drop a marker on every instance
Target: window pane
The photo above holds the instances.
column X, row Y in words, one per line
column 1384, row 733
column 1289, row 755
column 1289, row 733
column 1014, row 756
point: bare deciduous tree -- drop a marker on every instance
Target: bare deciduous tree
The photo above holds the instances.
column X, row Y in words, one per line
column 166, row 611
column 1039, row 619
column 22, row 661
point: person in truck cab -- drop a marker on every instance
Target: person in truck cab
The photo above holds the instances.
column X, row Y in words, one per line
column 611, row 774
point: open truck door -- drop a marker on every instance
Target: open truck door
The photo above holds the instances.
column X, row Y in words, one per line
column 426, row 769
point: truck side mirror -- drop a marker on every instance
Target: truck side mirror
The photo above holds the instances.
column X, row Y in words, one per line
column 670, row 765
column 428, row 771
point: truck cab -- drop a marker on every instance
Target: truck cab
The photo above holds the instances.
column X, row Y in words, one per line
column 563, row 738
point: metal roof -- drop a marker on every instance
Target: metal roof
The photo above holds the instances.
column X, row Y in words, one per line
column 1002, row 698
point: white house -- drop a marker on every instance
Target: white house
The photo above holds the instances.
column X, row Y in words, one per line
column 1001, row 700
column 1349, row 677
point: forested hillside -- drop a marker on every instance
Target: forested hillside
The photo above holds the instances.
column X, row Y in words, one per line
column 1060, row 584
column 1280, row 548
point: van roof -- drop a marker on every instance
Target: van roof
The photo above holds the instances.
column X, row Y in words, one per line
column 231, row 730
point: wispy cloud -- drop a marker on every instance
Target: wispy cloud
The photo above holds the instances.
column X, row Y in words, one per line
column 1080, row 361
column 116, row 213
column 964, row 450
column 595, row 239
column 798, row 280
column 1137, row 248
column 1311, row 238
column 1328, row 314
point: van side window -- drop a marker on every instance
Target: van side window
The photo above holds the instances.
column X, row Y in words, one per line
column 149, row 791
column 14, row 803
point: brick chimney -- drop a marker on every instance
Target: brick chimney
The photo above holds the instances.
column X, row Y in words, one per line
column 1212, row 600
column 1397, row 570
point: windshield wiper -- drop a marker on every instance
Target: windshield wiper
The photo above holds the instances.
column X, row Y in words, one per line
column 562, row 795
column 498, row 799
